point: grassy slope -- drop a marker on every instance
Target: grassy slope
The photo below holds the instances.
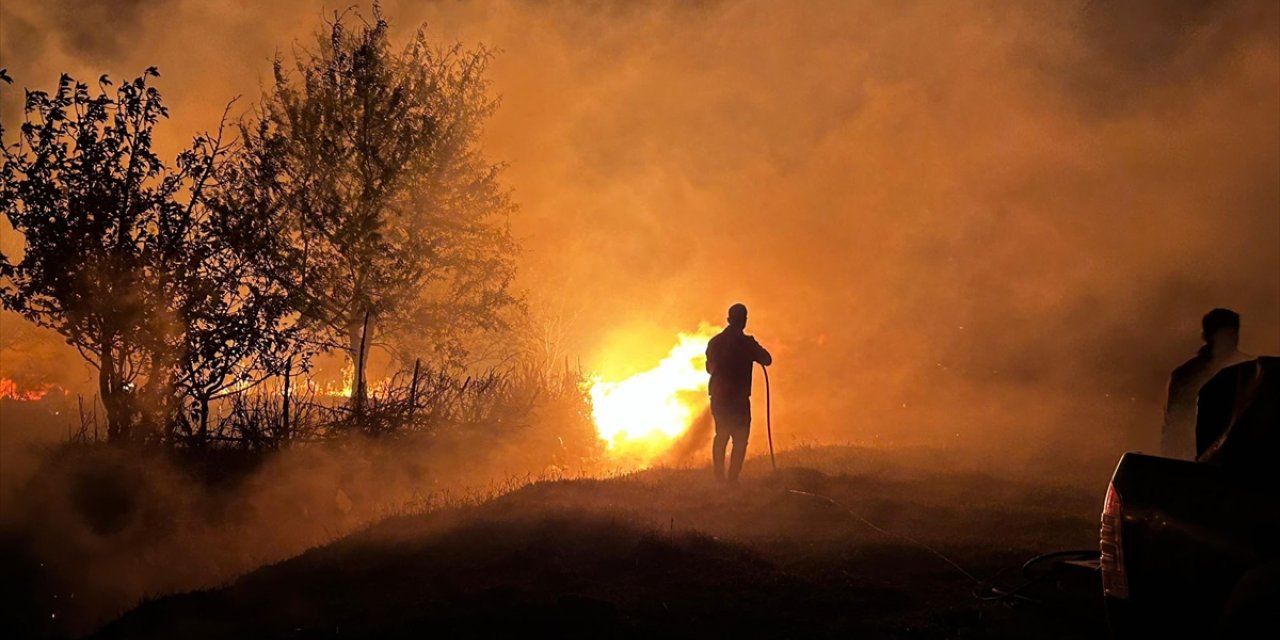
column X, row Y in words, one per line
column 669, row 552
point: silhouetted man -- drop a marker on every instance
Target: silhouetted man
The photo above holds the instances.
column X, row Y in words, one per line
column 1220, row 330
column 731, row 354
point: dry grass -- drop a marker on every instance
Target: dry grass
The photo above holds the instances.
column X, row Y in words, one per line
column 671, row 553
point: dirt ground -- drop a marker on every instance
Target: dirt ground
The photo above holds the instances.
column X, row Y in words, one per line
column 843, row 541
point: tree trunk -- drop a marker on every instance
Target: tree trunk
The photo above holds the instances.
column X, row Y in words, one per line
column 155, row 402
column 413, row 387
column 113, row 400
column 358, row 335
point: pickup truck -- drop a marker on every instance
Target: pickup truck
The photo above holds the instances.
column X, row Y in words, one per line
column 1192, row 549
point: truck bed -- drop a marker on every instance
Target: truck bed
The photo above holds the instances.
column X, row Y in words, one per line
column 1187, row 532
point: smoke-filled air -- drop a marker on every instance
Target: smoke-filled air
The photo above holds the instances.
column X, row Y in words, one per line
column 429, row 318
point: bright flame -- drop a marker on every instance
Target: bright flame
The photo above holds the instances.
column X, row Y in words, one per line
column 644, row 414
column 346, row 387
column 348, row 384
column 9, row 389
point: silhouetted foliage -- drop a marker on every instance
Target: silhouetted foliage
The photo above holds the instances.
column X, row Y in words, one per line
column 387, row 215
column 355, row 202
column 123, row 256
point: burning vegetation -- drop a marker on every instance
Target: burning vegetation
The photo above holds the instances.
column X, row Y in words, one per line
column 642, row 416
column 9, row 390
column 300, row 310
column 350, row 211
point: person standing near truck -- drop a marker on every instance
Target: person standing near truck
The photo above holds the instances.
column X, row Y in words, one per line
column 731, row 355
column 1220, row 330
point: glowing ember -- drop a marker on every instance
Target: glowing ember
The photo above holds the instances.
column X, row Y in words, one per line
column 9, row 389
column 642, row 415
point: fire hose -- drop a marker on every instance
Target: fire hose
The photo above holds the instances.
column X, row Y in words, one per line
column 768, row 417
column 985, row 590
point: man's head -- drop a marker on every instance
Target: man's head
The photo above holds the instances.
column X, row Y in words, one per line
column 1221, row 327
column 738, row 316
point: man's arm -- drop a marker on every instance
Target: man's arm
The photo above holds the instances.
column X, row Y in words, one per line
column 761, row 355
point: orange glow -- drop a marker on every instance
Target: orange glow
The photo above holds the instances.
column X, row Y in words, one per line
column 9, row 389
column 641, row 416
column 346, row 387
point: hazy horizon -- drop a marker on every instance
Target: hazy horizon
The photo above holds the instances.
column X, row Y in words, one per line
column 972, row 225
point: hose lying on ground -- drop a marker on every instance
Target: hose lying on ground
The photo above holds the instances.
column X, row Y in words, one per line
column 989, row 591
column 985, row 590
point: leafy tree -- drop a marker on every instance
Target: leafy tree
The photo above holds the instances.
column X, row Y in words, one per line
column 394, row 223
column 86, row 191
column 237, row 326
column 124, row 257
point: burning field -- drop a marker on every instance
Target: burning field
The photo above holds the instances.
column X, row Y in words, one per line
column 452, row 534
column 9, row 390
column 393, row 320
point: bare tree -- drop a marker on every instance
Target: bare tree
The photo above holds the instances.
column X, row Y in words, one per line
column 395, row 225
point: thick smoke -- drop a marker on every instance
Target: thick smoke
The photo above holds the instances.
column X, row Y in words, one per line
column 989, row 226
column 966, row 223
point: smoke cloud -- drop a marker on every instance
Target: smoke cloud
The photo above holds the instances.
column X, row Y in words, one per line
column 990, row 228
column 978, row 224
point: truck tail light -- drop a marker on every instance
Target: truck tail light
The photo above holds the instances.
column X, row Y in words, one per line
column 1115, row 583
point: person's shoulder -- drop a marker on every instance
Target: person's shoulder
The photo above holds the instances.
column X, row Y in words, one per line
column 1238, row 357
column 1193, row 365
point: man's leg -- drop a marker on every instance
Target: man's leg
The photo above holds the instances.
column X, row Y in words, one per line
column 741, row 431
column 721, row 439
column 739, row 454
column 717, row 452
column 723, row 420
